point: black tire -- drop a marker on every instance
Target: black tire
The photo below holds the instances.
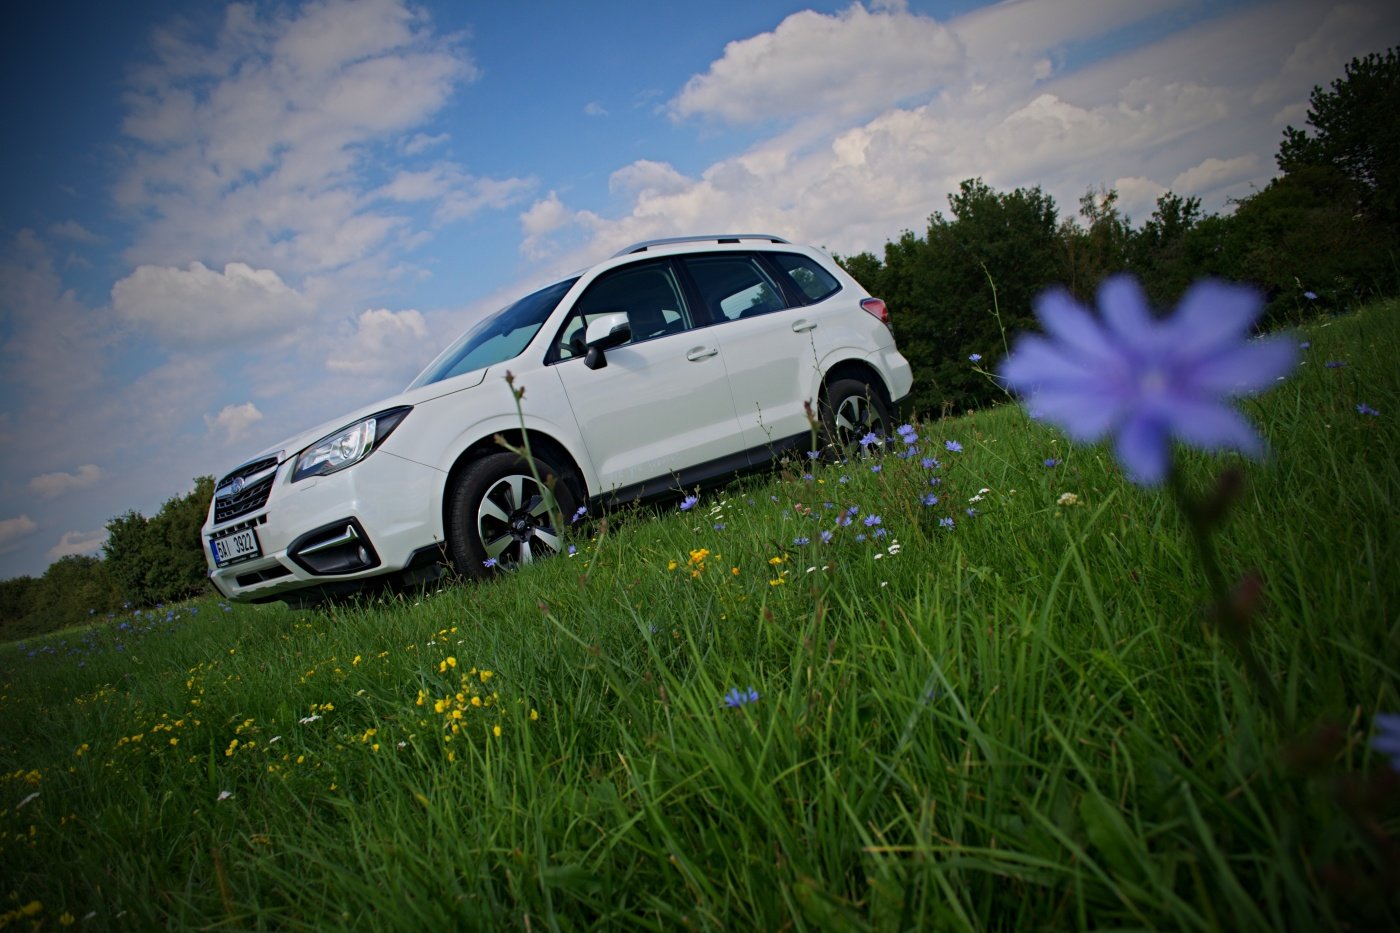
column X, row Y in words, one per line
column 852, row 409
column 496, row 511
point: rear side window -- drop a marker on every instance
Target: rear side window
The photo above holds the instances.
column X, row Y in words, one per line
column 808, row 275
column 734, row 286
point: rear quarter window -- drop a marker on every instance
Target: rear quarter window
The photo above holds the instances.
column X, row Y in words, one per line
column 808, row 275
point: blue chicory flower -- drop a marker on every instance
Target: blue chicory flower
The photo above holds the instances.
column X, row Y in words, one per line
column 1386, row 739
column 975, row 357
column 736, row 698
column 1051, row 462
column 929, row 463
column 826, row 536
column 945, row 522
column 1310, row 295
column 689, row 502
column 801, row 542
column 930, row 499
column 489, row 562
column 953, row 446
column 869, row 439
column 1365, row 409
column 1146, row 381
column 871, row 521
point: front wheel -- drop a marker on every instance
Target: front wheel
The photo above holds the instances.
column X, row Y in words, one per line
column 852, row 412
column 500, row 516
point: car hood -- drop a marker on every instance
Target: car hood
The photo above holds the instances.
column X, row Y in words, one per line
column 298, row 442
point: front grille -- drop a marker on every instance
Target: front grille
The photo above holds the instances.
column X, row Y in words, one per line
column 244, row 490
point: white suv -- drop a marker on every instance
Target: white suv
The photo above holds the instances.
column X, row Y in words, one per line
column 676, row 363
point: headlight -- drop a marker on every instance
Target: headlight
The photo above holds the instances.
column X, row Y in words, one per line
column 347, row 446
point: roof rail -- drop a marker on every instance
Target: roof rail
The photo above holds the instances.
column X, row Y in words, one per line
column 705, row 238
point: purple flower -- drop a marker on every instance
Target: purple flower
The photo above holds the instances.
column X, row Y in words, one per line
column 1147, row 381
column 1305, row 344
column 1311, row 296
column 945, row 522
column 689, row 502
column 1365, row 409
column 489, row 562
column 929, row 463
column 582, row 511
column 953, row 446
column 971, row 512
column 906, row 433
column 813, row 454
column 1051, row 462
column 1386, row 739
column 975, row 357
column 875, row 468
column 826, row 536
column 871, row 521
column 869, row 439
column 736, row 698
column 801, row 542
column 930, row 499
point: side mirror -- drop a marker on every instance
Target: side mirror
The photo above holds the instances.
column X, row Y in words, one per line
column 604, row 333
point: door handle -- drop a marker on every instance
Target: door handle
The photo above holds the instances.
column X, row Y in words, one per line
column 700, row 353
column 802, row 325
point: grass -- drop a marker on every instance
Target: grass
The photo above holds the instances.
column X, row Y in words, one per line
column 1024, row 721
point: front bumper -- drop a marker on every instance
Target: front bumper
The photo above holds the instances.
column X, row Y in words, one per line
column 333, row 533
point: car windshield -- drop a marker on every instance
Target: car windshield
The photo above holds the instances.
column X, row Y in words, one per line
column 496, row 339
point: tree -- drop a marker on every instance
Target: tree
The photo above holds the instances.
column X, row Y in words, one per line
column 161, row 558
column 1357, row 133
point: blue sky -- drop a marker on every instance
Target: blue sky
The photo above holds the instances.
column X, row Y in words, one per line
column 223, row 223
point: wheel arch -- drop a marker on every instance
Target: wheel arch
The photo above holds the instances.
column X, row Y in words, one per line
column 856, row 369
column 541, row 445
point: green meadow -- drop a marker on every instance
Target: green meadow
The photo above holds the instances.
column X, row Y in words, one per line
column 817, row 700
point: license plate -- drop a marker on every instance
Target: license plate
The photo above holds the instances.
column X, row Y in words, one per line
column 241, row 545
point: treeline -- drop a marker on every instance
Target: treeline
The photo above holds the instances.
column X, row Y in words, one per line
column 146, row 561
column 1322, row 236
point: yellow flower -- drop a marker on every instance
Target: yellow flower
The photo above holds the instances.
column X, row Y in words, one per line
column 534, row 714
column 775, row 561
column 356, row 661
column 496, row 731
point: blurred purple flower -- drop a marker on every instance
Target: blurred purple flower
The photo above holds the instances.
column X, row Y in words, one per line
column 945, row 522
column 1364, row 409
column 736, row 697
column 1311, row 296
column 976, row 357
column 1147, row 381
column 953, row 446
column 1387, row 737
column 688, row 503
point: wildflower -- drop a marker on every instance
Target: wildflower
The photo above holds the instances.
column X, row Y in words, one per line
column 1364, row 409
column 572, row 550
column 489, row 562
column 1147, row 381
column 1067, row 498
column 971, row 512
column 1311, row 296
column 689, row 502
column 1051, row 463
column 906, row 434
column 945, row 522
column 875, row 468
column 953, row 446
column 813, row 454
column 930, row 499
column 736, row 697
column 582, row 511
column 1336, row 364
column 871, row 521
column 801, row 542
column 1305, row 345
column 826, row 536
column 719, row 526
column 929, row 463
column 869, row 439
column 975, row 357
column 1387, row 737
column 224, row 795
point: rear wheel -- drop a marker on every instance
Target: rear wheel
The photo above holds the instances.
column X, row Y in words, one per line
column 499, row 516
column 853, row 411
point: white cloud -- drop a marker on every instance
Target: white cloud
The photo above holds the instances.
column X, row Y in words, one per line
column 384, row 343
column 53, row 485
column 851, row 63
column 258, row 144
column 595, row 109
column 422, row 142
column 1212, row 174
column 72, row 230
column 233, row 421
column 78, row 542
column 200, row 305
column 13, row 529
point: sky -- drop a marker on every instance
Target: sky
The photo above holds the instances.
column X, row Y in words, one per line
column 221, row 224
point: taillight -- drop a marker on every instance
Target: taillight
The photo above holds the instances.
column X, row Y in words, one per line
column 876, row 307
